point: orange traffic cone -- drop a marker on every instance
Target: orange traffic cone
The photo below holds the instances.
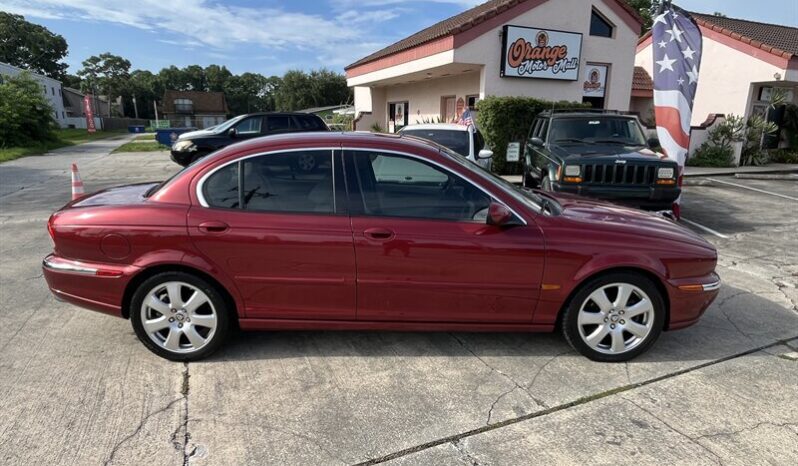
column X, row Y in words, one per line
column 77, row 183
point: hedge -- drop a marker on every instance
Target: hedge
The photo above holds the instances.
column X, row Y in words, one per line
column 507, row 119
column 25, row 114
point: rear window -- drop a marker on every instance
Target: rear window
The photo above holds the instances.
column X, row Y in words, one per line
column 278, row 123
column 456, row 141
column 309, row 122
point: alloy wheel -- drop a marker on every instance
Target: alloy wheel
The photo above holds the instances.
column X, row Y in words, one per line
column 178, row 317
column 616, row 318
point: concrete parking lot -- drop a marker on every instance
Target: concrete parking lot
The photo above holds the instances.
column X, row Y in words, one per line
column 78, row 388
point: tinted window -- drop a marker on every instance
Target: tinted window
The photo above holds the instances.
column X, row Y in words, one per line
column 599, row 26
column 399, row 186
column 278, row 123
column 221, row 188
column 249, row 126
column 308, row 122
column 289, row 182
column 457, row 141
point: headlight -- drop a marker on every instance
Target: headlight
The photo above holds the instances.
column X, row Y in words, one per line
column 665, row 172
column 184, row 146
column 573, row 170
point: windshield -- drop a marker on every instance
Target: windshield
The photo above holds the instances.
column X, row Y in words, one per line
column 600, row 129
column 454, row 140
column 526, row 196
column 222, row 127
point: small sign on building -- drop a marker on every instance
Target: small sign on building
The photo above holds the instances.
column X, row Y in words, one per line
column 514, row 152
column 595, row 84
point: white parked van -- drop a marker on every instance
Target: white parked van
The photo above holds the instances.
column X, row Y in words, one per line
column 465, row 140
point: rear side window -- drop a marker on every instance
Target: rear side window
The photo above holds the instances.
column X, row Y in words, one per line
column 289, row 182
column 221, row 188
column 278, row 123
column 309, row 122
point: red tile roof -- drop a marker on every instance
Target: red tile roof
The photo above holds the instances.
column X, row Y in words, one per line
column 642, row 81
column 773, row 38
column 457, row 24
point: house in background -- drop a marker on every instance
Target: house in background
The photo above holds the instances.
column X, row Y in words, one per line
column 186, row 109
column 73, row 104
column 642, row 102
column 51, row 89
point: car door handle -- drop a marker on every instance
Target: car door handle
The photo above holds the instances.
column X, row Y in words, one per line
column 379, row 234
column 213, row 227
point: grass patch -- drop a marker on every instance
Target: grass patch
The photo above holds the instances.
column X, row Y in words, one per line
column 141, row 147
column 145, row 137
column 61, row 138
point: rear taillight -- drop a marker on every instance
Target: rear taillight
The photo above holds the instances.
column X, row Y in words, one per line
column 51, row 230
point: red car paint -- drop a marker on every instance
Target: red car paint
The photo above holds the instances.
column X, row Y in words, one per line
column 307, row 271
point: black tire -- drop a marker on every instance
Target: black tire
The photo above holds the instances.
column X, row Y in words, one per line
column 216, row 305
column 545, row 183
column 570, row 323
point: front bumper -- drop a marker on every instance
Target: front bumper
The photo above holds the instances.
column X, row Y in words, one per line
column 182, row 158
column 95, row 286
column 690, row 298
column 643, row 196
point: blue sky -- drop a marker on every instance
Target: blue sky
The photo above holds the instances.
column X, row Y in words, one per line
column 272, row 36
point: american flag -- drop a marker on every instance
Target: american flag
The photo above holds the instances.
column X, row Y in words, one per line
column 466, row 119
column 676, row 42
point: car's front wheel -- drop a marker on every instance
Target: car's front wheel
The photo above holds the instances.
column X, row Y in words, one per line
column 614, row 317
column 179, row 316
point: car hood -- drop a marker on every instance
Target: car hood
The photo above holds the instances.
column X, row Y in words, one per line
column 196, row 134
column 612, row 217
column 606, row 153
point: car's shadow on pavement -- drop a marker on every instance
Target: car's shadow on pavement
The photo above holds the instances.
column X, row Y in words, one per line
column 737, row 321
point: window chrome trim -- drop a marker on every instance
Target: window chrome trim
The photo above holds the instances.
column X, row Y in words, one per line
column 201, row 197
column 445, row 169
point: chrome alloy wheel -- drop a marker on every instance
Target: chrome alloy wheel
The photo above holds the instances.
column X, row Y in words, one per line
column 616, row 318
column 178, row 317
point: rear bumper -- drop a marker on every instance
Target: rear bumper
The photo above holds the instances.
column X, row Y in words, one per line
column 95, row 286
column 645, row 196
column 690, row 298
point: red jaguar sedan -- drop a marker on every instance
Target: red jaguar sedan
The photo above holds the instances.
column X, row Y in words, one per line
column 384, row 233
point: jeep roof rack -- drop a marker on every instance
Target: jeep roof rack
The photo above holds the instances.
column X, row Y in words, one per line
column 581, row 110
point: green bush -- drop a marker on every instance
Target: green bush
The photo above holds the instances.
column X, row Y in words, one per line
column 25, row 114
column 711, row 156
column 507, row 119
column 784, row 155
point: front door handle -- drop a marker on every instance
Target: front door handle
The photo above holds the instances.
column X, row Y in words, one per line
column 379, row 234
column 213, row 227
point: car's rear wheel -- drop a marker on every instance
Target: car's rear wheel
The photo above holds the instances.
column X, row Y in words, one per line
column 614, row 317
column 179, row 316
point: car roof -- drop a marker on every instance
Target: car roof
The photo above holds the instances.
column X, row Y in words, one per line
column 330, row 138
column 275, row 113
column 443, row 126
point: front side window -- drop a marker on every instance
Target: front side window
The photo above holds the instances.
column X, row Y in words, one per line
column 401, row 186
column 457, row 141
column 289, row 182
column 249, row 126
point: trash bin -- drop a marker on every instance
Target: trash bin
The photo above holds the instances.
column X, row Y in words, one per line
column 168, row 136
column 135, row 129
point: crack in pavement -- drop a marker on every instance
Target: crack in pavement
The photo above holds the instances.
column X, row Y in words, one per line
column 745, row 429
column 460, row 446
column 692, row 440
column 564, row 406
column 514, row 382
column 138, row 429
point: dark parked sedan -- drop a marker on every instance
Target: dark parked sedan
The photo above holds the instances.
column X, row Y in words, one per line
column 386, row 233
column 197, row 144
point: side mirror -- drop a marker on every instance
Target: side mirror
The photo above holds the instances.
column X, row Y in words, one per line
column 485, row 154
column 232, row 132
column 537, row 142
column 499, row 215
column 653, row 143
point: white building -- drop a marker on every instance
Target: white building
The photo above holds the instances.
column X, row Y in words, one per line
column 495, row 49
column 742, row 61
column 51, row 88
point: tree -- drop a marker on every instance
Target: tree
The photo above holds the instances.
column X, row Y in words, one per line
column 299, row 90
column 195, row 78
column 173, row 79
column 70, row 80
column 146, row 88
column 106, row 72
column 31, row 46
column 216, row 76
column 249, row 92
column 25, row 114
column 293, row 93
column 647, row 9
column 329, row 88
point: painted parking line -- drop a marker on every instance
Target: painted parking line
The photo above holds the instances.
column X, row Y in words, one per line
column 702, row 227
column 715, row 180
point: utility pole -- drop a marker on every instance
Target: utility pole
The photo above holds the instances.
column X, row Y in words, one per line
column 155, row 106
column 135, row 108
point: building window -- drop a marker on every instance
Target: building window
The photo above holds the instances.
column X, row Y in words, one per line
column 449, row 108
column 471, row 101
column 53, row 90
column 599, row 25
column 184, row 106
column 62, row 115
column 398, row 114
